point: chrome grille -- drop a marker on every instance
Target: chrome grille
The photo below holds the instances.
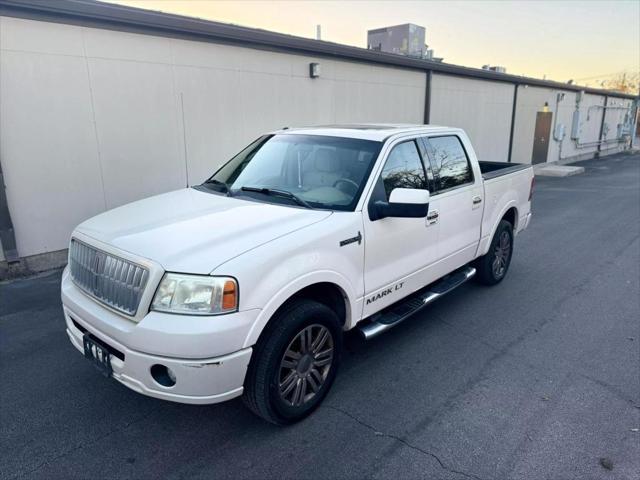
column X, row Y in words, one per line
column 112, row 280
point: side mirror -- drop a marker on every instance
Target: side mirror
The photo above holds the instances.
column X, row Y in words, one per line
column 403, row 203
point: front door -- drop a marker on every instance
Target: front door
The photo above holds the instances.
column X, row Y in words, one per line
column 541, row 137
column 397, row 250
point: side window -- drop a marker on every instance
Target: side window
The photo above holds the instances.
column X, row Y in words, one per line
column 450, row 163
column 403, row 168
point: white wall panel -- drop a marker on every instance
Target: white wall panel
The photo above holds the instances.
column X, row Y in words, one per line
column 139, row 136
column 617, row 111
column 208, row 113
column 48, row 148
column 109, row 44
column 480, row 107
column 231, row 95
column 590, row 121
column 531, row 100
column 96, row 116
column 41, row 37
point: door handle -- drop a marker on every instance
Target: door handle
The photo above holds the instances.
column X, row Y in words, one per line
column 477, row 199
column 432, row 217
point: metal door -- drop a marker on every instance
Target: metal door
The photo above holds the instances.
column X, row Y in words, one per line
column 541, row 137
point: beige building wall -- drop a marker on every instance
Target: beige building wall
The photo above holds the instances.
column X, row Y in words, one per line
column 92, row 118
column 618, row 113
column 590, row 121
column 532, row 100
column 483, row 108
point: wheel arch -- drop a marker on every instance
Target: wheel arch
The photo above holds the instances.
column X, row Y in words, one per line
column 330, row 290
column 511, row 215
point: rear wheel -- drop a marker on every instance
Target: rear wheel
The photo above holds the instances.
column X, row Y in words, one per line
column 294, row 363
column 493, row 266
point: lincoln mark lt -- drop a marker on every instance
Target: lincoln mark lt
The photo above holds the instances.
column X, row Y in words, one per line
column 246, row 284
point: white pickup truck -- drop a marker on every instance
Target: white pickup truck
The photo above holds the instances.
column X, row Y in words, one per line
column 245, row 285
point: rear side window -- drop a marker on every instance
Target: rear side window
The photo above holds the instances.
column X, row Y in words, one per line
column 450, row 163
column 403, row 168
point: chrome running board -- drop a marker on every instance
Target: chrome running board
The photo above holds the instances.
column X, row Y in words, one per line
column 400, row 311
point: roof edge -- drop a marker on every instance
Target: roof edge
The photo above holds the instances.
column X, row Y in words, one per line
column 118, row 17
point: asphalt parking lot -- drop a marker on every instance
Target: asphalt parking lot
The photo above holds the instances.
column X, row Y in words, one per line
column 536, row 378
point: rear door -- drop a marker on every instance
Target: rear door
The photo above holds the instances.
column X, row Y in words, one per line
column 456, row 201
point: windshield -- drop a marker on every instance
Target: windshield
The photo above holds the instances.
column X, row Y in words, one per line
column 309, row 170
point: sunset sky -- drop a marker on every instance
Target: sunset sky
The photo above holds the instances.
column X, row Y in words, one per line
column 588, row 41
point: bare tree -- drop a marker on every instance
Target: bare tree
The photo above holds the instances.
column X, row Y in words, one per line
column 624, row 82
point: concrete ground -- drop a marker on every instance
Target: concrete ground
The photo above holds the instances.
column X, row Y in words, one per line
column 536, row 378
column 553, row 170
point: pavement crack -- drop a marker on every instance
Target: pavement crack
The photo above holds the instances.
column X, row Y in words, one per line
column 84, row 445
column 404, row 442
column 610, row 388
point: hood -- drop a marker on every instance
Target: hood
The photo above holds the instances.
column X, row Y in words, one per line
column 190, row 231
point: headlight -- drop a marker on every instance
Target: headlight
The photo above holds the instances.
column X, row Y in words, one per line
column 196, row 294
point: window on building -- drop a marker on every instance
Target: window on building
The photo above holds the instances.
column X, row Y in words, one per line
column 450, row 162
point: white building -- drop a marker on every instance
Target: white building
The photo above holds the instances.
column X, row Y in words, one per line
column 102, row 104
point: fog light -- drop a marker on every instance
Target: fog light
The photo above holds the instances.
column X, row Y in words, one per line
column 163, row 375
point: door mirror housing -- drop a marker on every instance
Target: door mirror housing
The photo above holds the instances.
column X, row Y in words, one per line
column 410, row 196
column 403, row 203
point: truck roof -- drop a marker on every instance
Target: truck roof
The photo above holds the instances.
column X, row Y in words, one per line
column 364, row 131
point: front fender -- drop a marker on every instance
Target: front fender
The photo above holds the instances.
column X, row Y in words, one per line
column 272, row 273
column 353, row 305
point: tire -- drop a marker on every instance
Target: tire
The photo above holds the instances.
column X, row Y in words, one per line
column 308, row 373
column 493, row 266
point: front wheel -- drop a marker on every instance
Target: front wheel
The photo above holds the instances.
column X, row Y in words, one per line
column 294, row 363
column 493, row 266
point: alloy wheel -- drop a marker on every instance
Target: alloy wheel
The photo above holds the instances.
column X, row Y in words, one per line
column 305, row 365
column 501, row 254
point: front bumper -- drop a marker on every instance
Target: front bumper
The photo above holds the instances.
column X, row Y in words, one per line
column 204, row 374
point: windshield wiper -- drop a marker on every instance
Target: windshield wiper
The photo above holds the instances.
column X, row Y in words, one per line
column 277, row 192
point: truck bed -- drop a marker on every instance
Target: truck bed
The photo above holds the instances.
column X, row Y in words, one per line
column 497, row 169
